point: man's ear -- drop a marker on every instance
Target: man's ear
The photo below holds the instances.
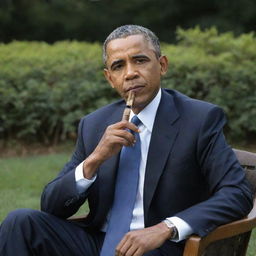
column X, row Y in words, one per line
column 108, row 77
column 164, row 64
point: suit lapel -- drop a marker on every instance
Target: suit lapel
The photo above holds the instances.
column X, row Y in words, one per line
column 164, row 133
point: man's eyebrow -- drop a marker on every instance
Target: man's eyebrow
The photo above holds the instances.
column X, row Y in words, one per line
column 120, row 61
column 115, row 63
column 140, row 56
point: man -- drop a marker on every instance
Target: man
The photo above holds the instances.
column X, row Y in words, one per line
column 189, row 180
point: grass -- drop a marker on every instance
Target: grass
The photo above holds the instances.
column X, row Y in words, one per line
column 22, row 180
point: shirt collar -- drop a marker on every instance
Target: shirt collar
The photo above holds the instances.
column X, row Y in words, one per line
column 148, row 114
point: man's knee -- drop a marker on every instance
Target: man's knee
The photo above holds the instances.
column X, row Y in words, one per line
column 21, row 216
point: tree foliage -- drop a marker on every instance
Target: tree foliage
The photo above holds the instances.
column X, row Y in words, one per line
column 92, row 20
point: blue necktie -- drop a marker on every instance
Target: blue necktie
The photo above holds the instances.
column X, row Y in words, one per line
column 125, row 195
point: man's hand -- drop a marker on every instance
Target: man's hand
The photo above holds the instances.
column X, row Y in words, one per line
column 138, row 242
column 110, row 144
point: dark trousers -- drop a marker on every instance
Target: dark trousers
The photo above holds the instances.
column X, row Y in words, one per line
column 28, row 232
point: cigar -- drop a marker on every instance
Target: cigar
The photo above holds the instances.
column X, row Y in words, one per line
column 129, row 103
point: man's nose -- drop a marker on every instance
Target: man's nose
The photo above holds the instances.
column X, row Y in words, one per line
column 131, row 72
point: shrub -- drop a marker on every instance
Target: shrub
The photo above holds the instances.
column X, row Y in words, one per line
column 45, row 89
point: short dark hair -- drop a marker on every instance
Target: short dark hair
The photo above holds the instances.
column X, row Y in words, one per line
column 129, row 30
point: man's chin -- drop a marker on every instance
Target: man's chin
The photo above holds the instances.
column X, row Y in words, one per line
column 138, row 106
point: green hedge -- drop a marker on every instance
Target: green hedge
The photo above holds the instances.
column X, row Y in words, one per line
column 45, row 89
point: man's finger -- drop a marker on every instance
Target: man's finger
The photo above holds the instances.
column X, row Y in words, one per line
column 123, row 246
column 124, row 125
column 133, row 250
column 139, row 252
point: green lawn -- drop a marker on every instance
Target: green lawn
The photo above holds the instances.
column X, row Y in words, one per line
column 23, row 178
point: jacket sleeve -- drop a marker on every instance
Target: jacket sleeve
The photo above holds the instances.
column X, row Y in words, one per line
column 60, row 197
column 231, row 197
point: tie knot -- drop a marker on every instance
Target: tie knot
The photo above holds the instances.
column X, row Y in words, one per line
column 135, row 120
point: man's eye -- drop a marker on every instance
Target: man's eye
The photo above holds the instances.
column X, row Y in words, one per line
column 140, row 61
column 117, row 67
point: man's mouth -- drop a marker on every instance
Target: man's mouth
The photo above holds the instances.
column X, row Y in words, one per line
column 135, row 88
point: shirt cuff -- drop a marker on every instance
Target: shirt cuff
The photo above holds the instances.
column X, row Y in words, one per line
column 82, row 184
column 183, row 228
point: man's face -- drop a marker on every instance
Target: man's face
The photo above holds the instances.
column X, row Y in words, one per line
column 132, row 65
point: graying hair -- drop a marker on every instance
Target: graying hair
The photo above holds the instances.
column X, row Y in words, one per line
column 129, row 30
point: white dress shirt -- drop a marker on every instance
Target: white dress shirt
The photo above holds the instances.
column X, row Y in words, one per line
column 147, row 117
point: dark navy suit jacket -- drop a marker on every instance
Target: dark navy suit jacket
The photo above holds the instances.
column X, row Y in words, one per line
column 191, row 172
